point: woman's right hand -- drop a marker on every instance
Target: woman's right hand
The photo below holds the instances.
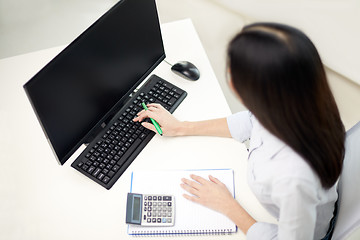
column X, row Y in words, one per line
column 168, row 123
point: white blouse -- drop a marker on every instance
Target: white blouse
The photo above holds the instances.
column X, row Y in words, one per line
column 284, row 184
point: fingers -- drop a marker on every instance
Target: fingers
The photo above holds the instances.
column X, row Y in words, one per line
column 149, row 126
column 144, row 114
column 190, row 183
column 214, row 179
column 155, row 105
column 193, row 187
column 191, row 198
column 190, row 189
column 153, row 109
column 198, row 179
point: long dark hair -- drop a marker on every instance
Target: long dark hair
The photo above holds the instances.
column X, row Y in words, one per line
column 279, row 75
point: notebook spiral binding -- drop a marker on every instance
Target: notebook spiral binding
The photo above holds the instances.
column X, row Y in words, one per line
column 175, row 233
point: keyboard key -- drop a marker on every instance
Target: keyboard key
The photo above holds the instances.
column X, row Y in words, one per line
column 106, row 179
column 111, row 174
column 101, row 176
column 177, row 90
column 172, row 101
column 115, row 168
column 90, row 169
column 96, row 172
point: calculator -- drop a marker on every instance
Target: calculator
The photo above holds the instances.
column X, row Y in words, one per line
column 150, row 210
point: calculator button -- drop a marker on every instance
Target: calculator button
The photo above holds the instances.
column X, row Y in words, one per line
column 159, row 198
column 150, row 198
column 164, row 220
column 167, row 198
column 150, row 204
column 155, row 198
column 168, row 220
column 169, row 204
column 149, row 214
column 149, row 220
column 159, row 220
column 154, row 220
column 150, row 209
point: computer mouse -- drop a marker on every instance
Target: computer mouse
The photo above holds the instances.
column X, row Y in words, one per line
column 187, row 70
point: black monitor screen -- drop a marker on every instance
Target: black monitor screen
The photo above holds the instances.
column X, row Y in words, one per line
column 94, row 75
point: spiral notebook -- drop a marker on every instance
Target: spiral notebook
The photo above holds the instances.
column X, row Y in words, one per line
column 190, row 218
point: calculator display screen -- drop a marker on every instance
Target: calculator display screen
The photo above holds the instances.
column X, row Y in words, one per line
column 136, row 209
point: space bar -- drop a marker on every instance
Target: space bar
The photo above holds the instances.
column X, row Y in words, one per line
column 129, row 152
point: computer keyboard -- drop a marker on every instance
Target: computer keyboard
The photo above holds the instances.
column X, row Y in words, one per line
column 113, row 150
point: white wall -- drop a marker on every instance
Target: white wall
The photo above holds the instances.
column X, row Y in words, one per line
column 333, row 25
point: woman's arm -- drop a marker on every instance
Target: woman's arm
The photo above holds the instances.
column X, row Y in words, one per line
column 173, row 127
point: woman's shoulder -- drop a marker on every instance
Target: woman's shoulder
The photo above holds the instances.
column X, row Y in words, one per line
column 280, row 161
column 293, row 166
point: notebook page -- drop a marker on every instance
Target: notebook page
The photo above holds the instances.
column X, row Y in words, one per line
column 189, row 217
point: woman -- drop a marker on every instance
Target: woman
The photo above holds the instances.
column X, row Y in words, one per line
column 297, row 137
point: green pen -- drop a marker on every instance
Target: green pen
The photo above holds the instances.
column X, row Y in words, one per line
column 158, row 129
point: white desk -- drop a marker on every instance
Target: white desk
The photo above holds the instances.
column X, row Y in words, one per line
column 42, row 200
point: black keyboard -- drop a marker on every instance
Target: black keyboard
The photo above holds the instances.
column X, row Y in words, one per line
column 106, row 158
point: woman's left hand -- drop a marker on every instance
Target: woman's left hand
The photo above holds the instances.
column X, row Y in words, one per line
column 211, row 193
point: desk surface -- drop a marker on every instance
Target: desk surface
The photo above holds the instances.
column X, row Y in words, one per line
column 42, row 200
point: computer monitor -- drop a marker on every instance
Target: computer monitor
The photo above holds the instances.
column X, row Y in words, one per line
column 91, row 79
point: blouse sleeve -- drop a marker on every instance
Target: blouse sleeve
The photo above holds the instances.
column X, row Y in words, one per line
column 297, row 202
column 240, row 125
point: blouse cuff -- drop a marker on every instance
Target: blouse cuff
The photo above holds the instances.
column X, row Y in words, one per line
column 262, row 231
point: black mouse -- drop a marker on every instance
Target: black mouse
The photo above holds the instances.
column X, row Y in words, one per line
column 187, row 70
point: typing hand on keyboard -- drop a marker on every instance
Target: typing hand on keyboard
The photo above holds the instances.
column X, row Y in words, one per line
column 117, row 145
column 168, row 123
